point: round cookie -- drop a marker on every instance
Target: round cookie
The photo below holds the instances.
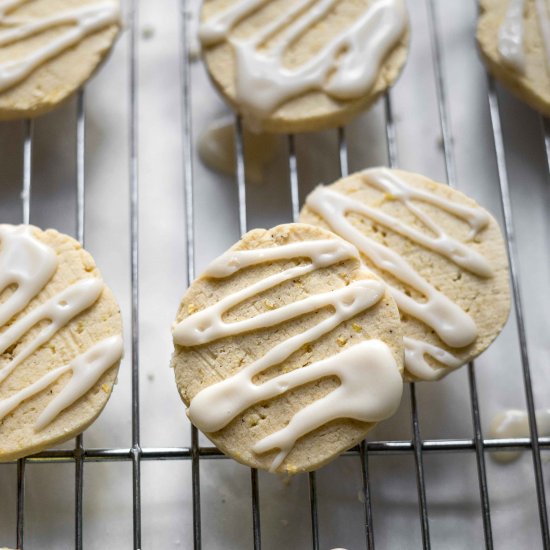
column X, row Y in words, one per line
column 514, row 42
column 49, row 48
column 287, row 350
column 441, row 254
column 297, row 66
column 60, row 340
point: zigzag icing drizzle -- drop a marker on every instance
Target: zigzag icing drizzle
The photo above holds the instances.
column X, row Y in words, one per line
column 345, row 68
column 370, row 383
column 453, row 325
column 511, row 33
column 83, row 21
column 27, row 265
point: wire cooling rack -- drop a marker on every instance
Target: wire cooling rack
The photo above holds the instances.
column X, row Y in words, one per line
column 196, row 453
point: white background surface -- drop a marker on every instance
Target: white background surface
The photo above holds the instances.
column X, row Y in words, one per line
column 452, row 486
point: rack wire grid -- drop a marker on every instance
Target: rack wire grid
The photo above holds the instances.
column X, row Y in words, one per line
column 197, row 454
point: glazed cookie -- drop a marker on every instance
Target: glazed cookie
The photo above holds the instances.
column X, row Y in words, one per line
column 287, row 349
column 514, row 41
column 296, row 66
column 441, row 254
column 49, row 48
column 60, row 340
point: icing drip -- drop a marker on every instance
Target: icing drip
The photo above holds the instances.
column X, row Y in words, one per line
column 83, row 21
column 24, row 262
column 339, row 69
column 370, row 390
column 86, row 369
column 511, row 33
column 453, row 325
column 27, row 265
column 510, row 36
column 216, row 148
column 370, row 382
column 514, row 423
column 415, row 352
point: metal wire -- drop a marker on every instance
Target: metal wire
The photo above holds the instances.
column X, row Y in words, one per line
column 190, row 245
column 394, row 447
column 450, row 168
column 514, row 272
column 243, row 228
column 26, row 217
column 295, row 203
column 391, row 140
column 363, row 453
column 369, row 532
column 545, row 126
column 134, row 262
column 80, row 213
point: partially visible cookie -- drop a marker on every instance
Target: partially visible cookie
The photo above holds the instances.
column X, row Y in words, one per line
column 287, row 350
column 49, row 48
column 60, row 340
column 295, row 66
column 442, row 255
column 514, row 42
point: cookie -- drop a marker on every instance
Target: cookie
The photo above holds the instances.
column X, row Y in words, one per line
column 441, row 254
column 60, row 340
column 514, row 42
column 296, row 66
column 49, row 48
column 287, row 350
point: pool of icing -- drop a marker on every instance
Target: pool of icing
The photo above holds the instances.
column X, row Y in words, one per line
column 444, row 407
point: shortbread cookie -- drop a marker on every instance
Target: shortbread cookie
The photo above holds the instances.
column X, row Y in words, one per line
column 287, row 349
column 514, row 41
column 298, row 65
column 49, row 48
column 60, row 340
column 441, row 254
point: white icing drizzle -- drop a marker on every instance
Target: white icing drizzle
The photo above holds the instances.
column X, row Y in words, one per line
column 370, row 383
column 339, row 69
column 24, row 262
column 27, row 265
column 86, row 369
column 453, row 325
column 511, row 33
column 514, row 423
column 370, row 390
column 6, row 5
column 59, row 310
column 510, row 36
column 415, row 352
column 207, row 325
column 83, row 21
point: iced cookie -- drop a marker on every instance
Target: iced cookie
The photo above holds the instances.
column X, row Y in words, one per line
column 441, row 254
column 287, row 350
column 298, row 65
column 514, row 41
column 49, row 48
column 60, row 340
